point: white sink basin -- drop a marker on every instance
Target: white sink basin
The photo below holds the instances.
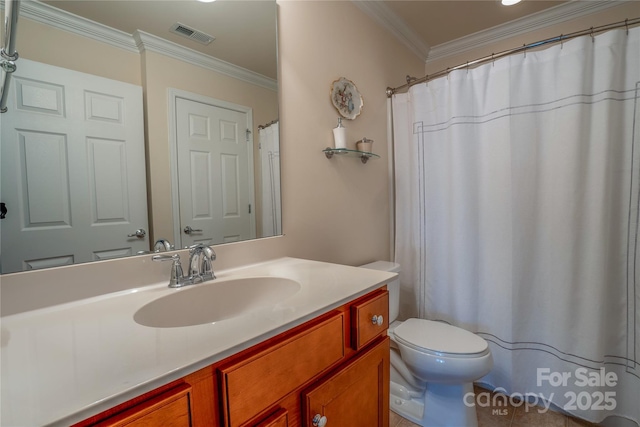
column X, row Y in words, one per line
column 214, row 301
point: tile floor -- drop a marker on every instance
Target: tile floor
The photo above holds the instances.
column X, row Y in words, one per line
column 513, row 417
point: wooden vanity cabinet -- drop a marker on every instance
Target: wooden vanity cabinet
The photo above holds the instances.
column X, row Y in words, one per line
column 337, row 345
column 336, row 365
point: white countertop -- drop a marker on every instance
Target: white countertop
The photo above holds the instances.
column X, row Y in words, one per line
column 62, row 364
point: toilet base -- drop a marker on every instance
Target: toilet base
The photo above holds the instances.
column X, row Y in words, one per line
column 444, row 404
column 406, row 407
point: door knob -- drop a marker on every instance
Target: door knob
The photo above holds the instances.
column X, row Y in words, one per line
column 189, row 230
column 319, row 420
column 139, row 233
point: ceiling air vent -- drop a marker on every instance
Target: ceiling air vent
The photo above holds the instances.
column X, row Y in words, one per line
column 191, row 33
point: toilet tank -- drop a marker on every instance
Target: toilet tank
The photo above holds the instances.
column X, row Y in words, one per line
column 393, row 286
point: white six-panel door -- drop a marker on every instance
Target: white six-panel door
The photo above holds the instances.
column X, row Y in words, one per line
column 215, row 173
column 73, row 169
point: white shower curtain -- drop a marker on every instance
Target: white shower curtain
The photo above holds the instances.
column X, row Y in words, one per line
column 517, row 217
column 271, row 217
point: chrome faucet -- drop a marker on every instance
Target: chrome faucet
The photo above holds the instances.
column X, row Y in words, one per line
column 162, row 245
column 201, row 259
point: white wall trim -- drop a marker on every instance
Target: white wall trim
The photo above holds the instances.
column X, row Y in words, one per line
column 151, row 43
column 45, row 14
column 396, row 25
column 382, row 14
column 555, row 15
column 138, row 42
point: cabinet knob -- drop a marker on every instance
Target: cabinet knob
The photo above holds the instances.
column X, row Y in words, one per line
column 377, row 320
column 319, row 420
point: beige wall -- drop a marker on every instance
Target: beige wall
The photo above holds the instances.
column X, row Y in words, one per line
column 335, row 210
column 49, row 45
column 615, row 14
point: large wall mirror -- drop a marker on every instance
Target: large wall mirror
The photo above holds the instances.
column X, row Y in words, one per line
column 139, row 126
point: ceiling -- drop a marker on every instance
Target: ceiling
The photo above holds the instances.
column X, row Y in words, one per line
column 246, row 36
column 436, row 22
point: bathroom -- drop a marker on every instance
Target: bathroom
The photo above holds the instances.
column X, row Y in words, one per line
column 335, row 211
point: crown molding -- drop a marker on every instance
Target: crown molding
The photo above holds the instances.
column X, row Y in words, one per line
column 148, row 42
column 555, row 15
column 137, row 42
column 48, row 15
column 382, row 14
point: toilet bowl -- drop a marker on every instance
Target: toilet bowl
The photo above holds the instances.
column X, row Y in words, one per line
column 433, row 366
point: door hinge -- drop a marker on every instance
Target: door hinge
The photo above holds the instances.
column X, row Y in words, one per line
column 249, row 207
column 248, row 134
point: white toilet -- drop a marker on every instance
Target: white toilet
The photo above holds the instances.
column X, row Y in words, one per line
column 433, row 366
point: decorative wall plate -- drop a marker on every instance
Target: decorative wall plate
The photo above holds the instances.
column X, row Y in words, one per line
column 346, row 98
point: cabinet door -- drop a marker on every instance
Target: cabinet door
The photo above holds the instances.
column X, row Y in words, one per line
column 170, row 409
column 357, row 395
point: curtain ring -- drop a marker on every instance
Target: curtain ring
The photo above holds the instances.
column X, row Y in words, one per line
column 493, row 61
column 561, row 43
column 626, row 24
column 524, row 45
column 410, row 79
column 467, row 67
column 593, row 39
column 447, row 73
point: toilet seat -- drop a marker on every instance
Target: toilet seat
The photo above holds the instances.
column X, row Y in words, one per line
column 428, row 336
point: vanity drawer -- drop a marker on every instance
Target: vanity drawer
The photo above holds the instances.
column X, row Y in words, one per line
column 252, row 385
column 363, row 328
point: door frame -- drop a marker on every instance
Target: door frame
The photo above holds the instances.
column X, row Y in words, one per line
column 173, row 95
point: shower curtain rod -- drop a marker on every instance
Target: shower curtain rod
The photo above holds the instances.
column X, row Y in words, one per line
column 558, row 39
column 8, row 55
column 272, row 122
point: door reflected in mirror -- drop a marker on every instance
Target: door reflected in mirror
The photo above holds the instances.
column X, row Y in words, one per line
column 142, row 136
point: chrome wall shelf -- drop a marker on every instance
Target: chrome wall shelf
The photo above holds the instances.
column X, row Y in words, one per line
column 363, row 155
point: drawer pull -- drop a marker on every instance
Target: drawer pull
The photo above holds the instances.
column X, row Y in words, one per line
column 319, row 420
column 377, row 320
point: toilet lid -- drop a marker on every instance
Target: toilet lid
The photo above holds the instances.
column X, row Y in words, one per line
column 439, row 337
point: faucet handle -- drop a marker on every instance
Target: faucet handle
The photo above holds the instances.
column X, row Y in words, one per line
column 160, row 258
column 177, row 278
